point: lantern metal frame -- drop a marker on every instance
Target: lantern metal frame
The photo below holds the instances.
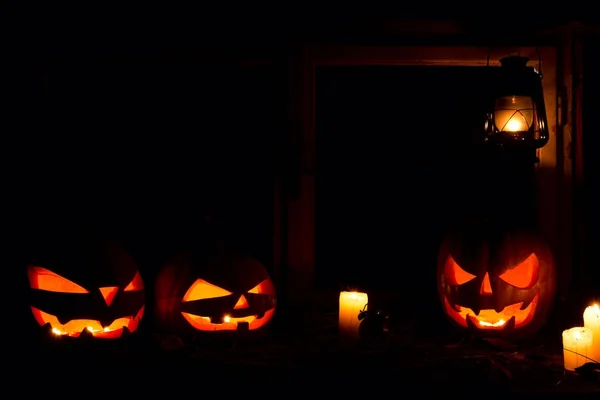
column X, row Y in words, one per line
column 514, row 125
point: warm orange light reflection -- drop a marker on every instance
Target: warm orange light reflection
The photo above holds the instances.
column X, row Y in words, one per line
column 136, row 283
column 524, row 275
column 455, row 275
column 265, row 287
column 204, row 290
column 486, row 285
column 43, row 279
column 108, row 294
column 514, row 113
column 516, row 124
column 490, row 319
column 229, row 323
column 74, row 327
column 241, row 303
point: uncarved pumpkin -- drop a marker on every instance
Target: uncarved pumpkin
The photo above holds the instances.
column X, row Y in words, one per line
column 219, row 295
column 496, row 280
column 84, row 285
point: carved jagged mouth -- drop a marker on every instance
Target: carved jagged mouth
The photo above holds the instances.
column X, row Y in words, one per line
column 512, row 316
column 229, row 323
column 75, row 327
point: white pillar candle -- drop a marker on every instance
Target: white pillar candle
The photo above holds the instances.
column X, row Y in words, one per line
column 577, row 344
column 591, row 321
column 351, row 304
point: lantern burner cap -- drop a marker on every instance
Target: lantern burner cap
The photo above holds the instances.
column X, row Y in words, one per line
column 514, row 62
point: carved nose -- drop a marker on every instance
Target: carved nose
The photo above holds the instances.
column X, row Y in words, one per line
column 241, row 303
column 486, row 286
column 108, row 293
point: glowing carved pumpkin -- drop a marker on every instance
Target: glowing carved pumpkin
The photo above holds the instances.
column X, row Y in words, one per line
column 90, row 288
column 496, row 280
column 231, row 294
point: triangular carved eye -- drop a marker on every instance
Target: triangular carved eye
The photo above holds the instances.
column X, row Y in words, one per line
column 135, row 284
column 204, row 290
column 524, row 275
column 43, row 279
column 241, row 303
column 265, row 287
column 454, row 274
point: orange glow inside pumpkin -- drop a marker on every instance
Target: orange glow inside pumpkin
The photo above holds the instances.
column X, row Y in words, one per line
column 109, row 293
column 74, row 327
column 229, row 323
column 265, row 287
column 135, row 284
column 202, row 289
column 522, row 276
column 44, row 279
column 490, row 319
column 241, row 303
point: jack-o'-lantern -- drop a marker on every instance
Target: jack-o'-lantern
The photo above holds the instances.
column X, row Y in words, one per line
column 91, row 289
column 496, row 280
column 221, row 294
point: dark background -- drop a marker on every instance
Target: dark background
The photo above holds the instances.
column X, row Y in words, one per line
column 137, row 140
column 400, row 162
column 588, row 280
column 142, row 150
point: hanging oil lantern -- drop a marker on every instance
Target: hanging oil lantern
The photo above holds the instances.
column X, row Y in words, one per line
column 517, row 115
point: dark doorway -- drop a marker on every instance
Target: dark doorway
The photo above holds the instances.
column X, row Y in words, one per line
column 397, row 165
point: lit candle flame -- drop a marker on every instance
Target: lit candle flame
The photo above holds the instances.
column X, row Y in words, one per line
column 514, row 125
column 485, row 323
column 58, row 332
column 227, row 318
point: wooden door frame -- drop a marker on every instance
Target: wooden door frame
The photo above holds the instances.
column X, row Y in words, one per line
column 298, row 210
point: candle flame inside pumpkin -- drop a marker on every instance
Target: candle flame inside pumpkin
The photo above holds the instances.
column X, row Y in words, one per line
column 229, row 323
column 490, row 319
column 75, row 327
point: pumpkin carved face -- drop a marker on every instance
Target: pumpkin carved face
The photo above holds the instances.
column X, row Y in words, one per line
column 208, row 307
column 92, row 289
column 226, row 293
column 496, row 280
